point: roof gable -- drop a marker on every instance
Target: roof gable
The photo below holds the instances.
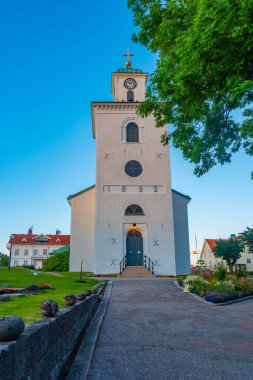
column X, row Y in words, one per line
column 211, row 242
column 30, row 239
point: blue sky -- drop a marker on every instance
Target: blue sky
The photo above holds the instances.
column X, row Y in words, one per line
column 55, row 58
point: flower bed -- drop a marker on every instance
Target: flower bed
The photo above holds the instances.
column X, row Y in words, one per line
column 216, row 286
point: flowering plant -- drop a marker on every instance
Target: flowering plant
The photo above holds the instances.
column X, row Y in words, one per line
column 195, row 284
column 46, row 286
column 10, row 290
column 204, row 272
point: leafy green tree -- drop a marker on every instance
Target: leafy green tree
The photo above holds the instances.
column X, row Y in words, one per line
column 57, row 263
column 229, row 250
column 204, row 72
column 247, row 238
column 4, row 260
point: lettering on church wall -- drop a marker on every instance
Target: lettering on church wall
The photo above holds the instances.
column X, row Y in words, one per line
column 134, row 189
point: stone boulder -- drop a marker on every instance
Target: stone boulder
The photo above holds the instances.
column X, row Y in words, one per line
column 49, row 308
column 10, row 328
column 70, row 300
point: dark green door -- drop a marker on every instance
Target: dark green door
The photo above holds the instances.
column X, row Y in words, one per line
column 134, row 248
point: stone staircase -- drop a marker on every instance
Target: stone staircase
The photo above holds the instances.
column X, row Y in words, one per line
column 137, row 272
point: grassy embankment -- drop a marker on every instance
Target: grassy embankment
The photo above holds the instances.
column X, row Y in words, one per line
column 28, row 307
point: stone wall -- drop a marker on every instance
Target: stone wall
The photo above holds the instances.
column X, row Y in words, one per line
column 45, row 346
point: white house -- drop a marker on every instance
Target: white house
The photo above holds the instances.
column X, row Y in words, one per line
column 131, row 212
column 31, row 249
column 208, row 256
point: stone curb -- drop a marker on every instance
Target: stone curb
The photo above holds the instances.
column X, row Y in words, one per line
column 81, row 364
column 211, row 303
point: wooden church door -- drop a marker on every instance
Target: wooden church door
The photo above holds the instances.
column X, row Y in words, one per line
column 134, row 248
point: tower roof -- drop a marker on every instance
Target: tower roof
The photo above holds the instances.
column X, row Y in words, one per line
column 129, row 70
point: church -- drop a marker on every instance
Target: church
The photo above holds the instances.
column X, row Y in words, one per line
column 131, row 216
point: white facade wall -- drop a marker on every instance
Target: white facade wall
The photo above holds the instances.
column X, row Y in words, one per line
column 120, row 92
column 210, row 260
column 82, row 231
column 32, row 258
column 111, row 226
column 99, row 226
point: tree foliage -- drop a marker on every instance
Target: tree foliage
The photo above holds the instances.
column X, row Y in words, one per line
column 229, row 250
column 58, row 262
column 204, row 72
column 247, row 238
column 4, row 260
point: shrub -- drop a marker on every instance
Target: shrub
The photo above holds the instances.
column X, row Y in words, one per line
column 206, row 273
column 58, row 262
column 195, row 284
column 240, row 272
column 224, row 289
column 244, row 287
column 220, row 272
column 231, row 277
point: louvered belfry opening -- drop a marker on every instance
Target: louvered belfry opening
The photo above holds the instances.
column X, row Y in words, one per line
column 130, row 96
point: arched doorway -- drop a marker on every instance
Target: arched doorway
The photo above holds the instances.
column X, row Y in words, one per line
column 134, row 248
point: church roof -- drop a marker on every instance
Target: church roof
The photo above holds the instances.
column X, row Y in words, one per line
column 182, row 195
column 80, row 192
column 129, row 70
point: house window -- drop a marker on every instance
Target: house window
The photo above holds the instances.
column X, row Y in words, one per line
column 44, row 252
column 210, row 263
column 248, row 261
column 134, row 210
column 35, row 252
column 15, row 263
column 25, row 262
column 130, row 96
column 16, row 252
column 132, row 134
column 26, row 252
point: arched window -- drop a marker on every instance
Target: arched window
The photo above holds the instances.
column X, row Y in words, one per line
column 134, row 210
column 130, row 96
column 134, row 233
column 132, row 133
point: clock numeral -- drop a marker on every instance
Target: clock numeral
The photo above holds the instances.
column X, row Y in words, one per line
column 155, row 189
column 140, row 189
column 123, row 189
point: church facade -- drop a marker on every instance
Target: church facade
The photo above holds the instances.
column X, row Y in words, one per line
column 131, row 212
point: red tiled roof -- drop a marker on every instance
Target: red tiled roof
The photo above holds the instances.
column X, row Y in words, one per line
column 211, row 242
column 30, row 239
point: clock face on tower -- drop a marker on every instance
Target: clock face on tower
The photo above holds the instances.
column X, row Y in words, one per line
column 130, row 83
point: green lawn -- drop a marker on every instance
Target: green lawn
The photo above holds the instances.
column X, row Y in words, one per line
column 28, row 308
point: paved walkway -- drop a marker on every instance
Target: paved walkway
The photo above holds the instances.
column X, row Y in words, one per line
column 152, row 330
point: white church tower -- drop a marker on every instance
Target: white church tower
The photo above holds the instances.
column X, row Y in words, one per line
column 131, row 215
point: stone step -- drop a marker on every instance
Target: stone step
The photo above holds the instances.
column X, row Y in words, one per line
column 136, row 268
column 137, row 275
column 136, row 271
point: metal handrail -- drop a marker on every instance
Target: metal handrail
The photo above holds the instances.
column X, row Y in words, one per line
column 148, row 263
column 122, row 264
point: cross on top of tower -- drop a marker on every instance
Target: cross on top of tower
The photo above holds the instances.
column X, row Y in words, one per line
column 128, row 55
